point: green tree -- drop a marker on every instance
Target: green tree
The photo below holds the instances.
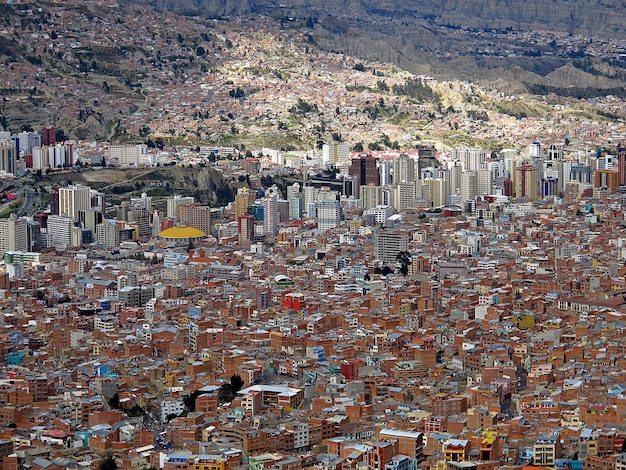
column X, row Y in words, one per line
column 107, row 462
column 236, row 382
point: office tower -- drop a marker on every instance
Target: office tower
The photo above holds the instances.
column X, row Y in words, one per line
column 90, row 219
column 388, row 243
column 60, row 231
column 405, row 195
column 310, row 195
column 403, row 169
column 40, row 158
column 8, row 156
column 455, row 177
column 73, row 199
column 156, row 223
column 534, row 149
column 469, row 186
column 108, row 234
column 384, row 172
column 578, row 172
column 471, row 159
column 49, row 136
column 436, row 191
column 370, row 196
column 140, row 217
column 555, row 152
column 127, row 155
column 549, row 186
column 364, row 169
column 328, row 214
column 174, row 202
column 245, row 227
column 621, row 167
column 511, row 160
column 144, row 201
column 335, row 153
column 295, row 200
column 196, row 216
column 56, row 156
column 607, row 179
column 244, row 198
column 484, row 181
column 605, row 162
column 526, row 182
column 13, row 234
column 270, row 215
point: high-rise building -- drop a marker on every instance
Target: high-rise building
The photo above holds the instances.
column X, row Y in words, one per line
column 127, row 155
column 90, row 219
column 526, row 182
column 621, row 167
column 174, row 202
column 73, row 199
column 336, row 153
column 607, row 179
column 60, row 231
column 436, row 190
column 49, row 136
column 245, row 227
column 455, row 177
column 370, row 196
column 384, row 170
column 8, row 156
column 403, row 169
column 108, row 234
column 144, row 201
column 364, row 169
column 13, row 234
column 484, row 181
column 328, row 214
column 270, row 215
column 296, row 201
column 405, row 195
column 244, row 198
column 469, row 186
column 196, row 216
column 156, row 223
column 388, row 243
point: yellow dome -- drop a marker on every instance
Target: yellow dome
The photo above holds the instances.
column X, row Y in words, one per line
column 182, row 233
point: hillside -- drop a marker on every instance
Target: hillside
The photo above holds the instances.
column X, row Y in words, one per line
column 479, row 40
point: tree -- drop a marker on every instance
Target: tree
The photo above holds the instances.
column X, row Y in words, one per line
column 60, row 135
column 359, row 67
column 114, row 402
column 404, row 259
column 236, row 382
column 358, row 147
column 225, row 393
column 107, row 462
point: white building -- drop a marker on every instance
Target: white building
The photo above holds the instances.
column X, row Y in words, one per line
column 13, row 234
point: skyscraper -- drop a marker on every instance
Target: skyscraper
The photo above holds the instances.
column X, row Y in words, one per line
column 328, row 214
column 335, row 153
column 436, row 190
column 365, row 170
column 388, row 243
column 243, row 199
column 270, row 217
column 295, row 200
column 13, row 234
column 8, row 156
column 526, row 182
column 403, row 169
column 73, row 199
column 174, row 202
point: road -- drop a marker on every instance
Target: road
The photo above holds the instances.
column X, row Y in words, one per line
column 29, row 206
